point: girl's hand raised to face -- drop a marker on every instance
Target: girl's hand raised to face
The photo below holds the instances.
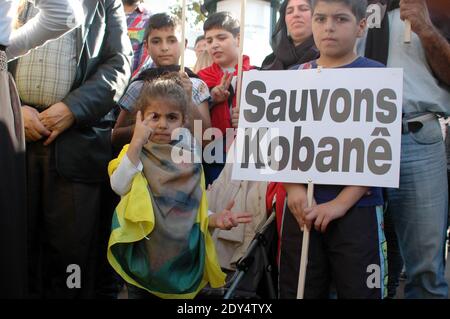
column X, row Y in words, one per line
column 142, row 134
column 142, row 131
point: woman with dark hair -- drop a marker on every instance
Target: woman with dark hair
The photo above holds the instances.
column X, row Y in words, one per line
column 292, row 41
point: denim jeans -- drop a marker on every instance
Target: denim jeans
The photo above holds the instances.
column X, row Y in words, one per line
column 419, row 211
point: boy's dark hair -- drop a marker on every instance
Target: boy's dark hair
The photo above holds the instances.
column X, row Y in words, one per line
column 131, row 2
column 161, row 21
column 168, row 87
column 358, row 7
column 199, row 38
column 222, row 20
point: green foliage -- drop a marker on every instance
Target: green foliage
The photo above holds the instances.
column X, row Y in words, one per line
column 194, row 13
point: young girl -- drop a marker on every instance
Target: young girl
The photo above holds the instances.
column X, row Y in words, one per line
column 160, row 240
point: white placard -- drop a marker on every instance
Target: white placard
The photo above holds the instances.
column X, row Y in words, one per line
column 329, row 126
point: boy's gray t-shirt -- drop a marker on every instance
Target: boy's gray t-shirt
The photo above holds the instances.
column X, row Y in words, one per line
column 422, row 92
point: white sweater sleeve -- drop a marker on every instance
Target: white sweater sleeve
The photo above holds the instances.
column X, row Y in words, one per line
column 123, row 176
column 8, row 9
column 55, row 18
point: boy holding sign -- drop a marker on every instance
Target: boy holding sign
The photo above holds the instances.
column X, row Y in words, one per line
column 347, row 239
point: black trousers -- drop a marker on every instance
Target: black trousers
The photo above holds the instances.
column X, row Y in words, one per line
column 13, row 226
column 344, row 256
column 63, row 222
column 394, row 256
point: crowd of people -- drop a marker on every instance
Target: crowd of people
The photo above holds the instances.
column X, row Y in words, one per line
column 92, row 96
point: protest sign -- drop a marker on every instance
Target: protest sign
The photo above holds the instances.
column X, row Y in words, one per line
column 334, row 126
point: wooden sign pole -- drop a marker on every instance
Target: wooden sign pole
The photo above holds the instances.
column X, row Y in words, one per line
column 241, row 53
column 305, row 248
column 183, row 35
column 407, row 38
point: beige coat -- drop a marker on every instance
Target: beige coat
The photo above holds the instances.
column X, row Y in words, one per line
column 248, row 197
column 10, row 113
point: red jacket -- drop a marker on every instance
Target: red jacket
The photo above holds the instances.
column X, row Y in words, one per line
column 276, row 190
column 220, row 113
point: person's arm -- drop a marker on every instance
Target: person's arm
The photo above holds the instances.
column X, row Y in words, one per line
column 123, row 176
column 201, row 112
column 198, row 111
column 34, row 129
column 220, row 92
column 56, row 17
column 141, row 136
column 131, row 164
column 93, row 99
column 8, row 8
column 324, row 213
column 226, row 219
column 437, row 48
column 297, row 202
column 202, row 97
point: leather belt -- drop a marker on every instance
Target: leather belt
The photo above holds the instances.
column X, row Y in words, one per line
column 415, row 124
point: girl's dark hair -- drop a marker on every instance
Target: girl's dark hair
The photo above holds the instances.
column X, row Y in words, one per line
column 222, row 20
column 166, row 87
column 154, row 73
